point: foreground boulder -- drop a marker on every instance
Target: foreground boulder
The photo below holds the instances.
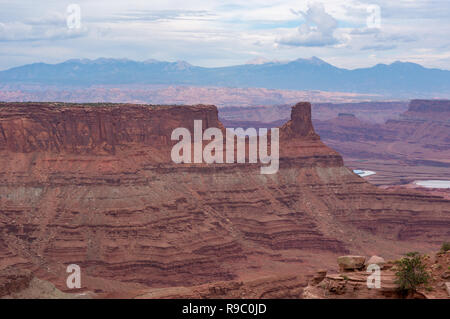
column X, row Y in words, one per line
column 354, row 285
column 351, row 263
column 376, row 260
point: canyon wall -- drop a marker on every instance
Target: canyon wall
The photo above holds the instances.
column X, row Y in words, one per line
column 81, row 129
column 416, row 146
column 94, row 185
column 428, row 107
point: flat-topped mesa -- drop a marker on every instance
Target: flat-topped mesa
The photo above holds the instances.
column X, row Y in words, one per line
column 428, row 110
column 346, row 116
column 116, row 129
column 300, row 124
column 106, row 128
column 429, row 106
column 95, row 128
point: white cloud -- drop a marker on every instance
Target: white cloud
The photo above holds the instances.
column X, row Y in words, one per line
column 52, row 26
column 317, row 29
column 15, row 32
column 379, row 47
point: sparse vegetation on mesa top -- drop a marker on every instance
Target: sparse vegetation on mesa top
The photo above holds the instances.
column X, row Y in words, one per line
column 411, row 273
column 445, row 247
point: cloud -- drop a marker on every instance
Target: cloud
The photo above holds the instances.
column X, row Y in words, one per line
column 365, row 31
column 379, row 47
column 12, row 32
column 51, row 19
column 317, row 30
column 158, row 15
column 52, row 26
column 405, row 38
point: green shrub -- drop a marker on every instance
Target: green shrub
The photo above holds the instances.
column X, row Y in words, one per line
column 412, row 254
column 411, row 273
column 445, row 247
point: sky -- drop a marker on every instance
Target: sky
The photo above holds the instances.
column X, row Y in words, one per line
column 345, row 33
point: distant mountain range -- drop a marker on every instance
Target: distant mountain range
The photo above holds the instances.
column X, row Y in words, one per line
column 396, row 79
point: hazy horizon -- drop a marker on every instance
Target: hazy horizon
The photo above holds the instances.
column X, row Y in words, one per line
column 250, row 62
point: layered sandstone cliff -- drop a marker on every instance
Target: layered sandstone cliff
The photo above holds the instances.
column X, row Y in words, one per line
column 94, row 185
column 425, row 109
column 94, row 128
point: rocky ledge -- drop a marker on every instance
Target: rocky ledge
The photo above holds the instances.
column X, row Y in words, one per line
column 351, row 282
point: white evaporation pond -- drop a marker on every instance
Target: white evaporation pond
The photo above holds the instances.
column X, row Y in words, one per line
column 433, row 184
column 363, row 173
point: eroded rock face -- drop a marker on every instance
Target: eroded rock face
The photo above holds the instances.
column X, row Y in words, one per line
column 414, row 146
column 285, row 287
column 363, row 284
column 429, row 106
column 94, row 185
column 23, row 285
column 300, row 124
column 94, row 129
column 353, row 285
column 351, row 263
column 12, row 281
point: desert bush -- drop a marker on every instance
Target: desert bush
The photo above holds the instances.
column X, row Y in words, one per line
column 445, row 247
column 411, row 273
column 412, row 254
